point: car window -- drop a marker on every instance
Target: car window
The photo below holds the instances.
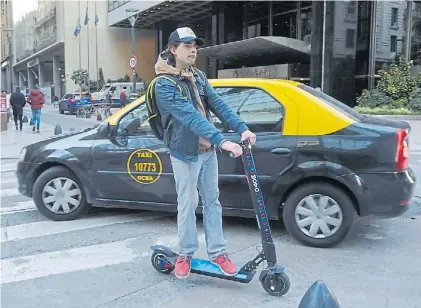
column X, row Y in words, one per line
column 333, row 102
column 134, row 123
column 257, row 108
column 67, row 96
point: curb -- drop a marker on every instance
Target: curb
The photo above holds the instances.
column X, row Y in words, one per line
column 397, row 117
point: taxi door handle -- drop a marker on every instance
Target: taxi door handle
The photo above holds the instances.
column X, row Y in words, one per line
column 281, row 151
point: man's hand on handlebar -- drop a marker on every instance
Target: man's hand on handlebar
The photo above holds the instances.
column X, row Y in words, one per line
column 234, row 148
column 250, row 136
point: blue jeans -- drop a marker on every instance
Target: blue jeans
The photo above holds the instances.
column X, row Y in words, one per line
column 189, row 177
column 36, row 117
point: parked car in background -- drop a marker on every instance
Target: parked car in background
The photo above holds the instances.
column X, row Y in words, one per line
column 71, row 102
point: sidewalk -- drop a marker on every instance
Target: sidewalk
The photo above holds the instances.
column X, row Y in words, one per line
column 12, row 140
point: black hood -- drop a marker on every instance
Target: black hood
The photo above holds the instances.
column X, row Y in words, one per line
column 51, row 139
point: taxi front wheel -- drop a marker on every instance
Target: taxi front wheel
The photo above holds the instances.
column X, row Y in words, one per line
column 59, row 195
column 318, row 214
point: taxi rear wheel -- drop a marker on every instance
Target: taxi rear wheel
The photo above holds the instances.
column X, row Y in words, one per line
column 318, row 214
column 58, row 194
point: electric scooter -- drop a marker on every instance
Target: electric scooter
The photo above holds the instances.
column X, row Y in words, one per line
column 273, row 278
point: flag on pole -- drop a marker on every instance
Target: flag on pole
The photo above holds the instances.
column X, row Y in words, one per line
column 77, row 29
column 96, row 19
column 86, row 16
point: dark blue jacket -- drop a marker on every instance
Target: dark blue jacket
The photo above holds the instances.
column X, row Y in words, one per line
column 182, row 136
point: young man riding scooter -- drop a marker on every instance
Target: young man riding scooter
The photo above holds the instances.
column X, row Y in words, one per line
column 192, row 144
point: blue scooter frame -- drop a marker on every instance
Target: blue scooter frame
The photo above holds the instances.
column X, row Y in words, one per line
column 273, row 278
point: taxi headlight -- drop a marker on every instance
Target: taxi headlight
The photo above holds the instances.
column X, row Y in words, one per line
column 22, row 154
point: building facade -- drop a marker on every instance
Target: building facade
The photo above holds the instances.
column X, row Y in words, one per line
column 57, row 39
column 338, row 46
column 6, row 41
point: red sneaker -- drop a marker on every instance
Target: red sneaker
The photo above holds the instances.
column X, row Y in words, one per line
column 182, row 267
column 225, row 264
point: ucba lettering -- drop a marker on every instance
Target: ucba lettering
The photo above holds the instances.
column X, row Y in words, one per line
column 259, row 197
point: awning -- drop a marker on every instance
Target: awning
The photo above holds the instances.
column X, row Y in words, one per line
column 290, row 48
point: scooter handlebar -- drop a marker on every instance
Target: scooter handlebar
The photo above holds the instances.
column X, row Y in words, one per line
column 243, row 144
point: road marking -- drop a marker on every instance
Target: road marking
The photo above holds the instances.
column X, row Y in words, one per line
column 66, row 261
column 5, row 167
column 13, row 179
column 20, row 207
column 50, row 227
column 10, row 192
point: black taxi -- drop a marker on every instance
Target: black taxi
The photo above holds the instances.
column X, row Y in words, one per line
column 319, row 161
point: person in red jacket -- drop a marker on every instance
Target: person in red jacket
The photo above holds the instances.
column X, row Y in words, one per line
column 123, row 98
column 36, row 100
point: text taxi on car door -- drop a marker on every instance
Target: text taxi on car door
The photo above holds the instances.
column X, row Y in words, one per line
column 319, row 162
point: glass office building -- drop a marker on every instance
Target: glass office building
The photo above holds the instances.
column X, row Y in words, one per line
column 338, row 46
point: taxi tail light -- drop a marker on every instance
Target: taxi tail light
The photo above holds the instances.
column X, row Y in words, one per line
column 402, row 150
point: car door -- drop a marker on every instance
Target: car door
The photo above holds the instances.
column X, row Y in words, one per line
column 133, row 166
column 273, row 153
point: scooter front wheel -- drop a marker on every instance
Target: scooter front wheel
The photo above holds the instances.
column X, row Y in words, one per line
column 160, row 263
column 277, row 284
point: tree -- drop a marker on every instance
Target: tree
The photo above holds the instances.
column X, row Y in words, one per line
column 80, row 77
column 101, row 80
column 397, row 80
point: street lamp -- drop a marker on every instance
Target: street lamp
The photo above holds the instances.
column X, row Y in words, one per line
column 132, row 16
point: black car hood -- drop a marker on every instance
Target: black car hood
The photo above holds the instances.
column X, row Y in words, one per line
column 48, row 140
column 386, row 122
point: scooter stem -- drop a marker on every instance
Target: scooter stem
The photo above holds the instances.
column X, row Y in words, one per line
column 258, row 203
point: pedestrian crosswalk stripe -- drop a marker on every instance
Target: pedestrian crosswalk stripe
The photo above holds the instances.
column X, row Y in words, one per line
column 66, row 261
column 50, row 227
column 10, row 192
column 10, row 166
column 20, row 207
column 6, row 180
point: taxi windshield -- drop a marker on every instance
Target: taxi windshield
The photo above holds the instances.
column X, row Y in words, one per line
column 333, row 102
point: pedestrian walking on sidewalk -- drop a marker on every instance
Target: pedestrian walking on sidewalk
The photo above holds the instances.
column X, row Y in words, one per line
column 123, row 98
column 17, row 101
column 36, row 100
column 192, row 144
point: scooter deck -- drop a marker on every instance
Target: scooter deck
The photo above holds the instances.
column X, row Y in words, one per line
column 207, row 268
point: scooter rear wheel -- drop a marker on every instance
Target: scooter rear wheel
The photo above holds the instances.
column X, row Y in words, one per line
column 160, row 263
column 277, row 284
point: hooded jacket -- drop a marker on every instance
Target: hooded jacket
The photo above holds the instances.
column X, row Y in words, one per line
column 35, row 99
column 191, row 129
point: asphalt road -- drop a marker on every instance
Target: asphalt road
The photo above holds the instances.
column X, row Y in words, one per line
column 103, row 260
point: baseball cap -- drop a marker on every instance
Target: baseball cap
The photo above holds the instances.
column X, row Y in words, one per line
column 184, row 35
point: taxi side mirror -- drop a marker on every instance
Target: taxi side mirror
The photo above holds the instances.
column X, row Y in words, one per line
column 105, row 130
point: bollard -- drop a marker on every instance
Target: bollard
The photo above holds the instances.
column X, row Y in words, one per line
column 25, row 119
column 319, row 296
column 57, row 130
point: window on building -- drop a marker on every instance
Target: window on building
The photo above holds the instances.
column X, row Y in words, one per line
column 259, row 110
column 393, row 43
column 351, row 8
column 113, row 4
column 350, row 38
column 394, row 19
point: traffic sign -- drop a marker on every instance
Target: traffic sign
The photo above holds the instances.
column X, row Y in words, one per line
column 132, row 62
